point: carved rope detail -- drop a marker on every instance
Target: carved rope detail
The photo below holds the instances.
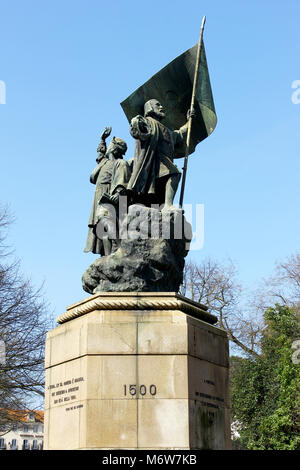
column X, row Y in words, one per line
column 134, row 304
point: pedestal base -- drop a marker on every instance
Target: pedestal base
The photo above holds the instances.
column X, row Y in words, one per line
column 137, row 371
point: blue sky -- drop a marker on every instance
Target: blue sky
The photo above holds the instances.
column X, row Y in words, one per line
column 67, row 65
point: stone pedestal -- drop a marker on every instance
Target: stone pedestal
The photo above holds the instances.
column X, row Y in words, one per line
column 137, row 371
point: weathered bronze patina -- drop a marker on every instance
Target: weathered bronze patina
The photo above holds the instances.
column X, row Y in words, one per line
column 154, row 177
column 169, row 115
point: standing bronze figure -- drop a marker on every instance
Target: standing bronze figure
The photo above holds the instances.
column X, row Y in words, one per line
column 155, row 178
column 100, row 178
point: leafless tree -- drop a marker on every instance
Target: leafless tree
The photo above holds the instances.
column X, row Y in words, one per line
column 215, row 285
column 24, row 321
column 283, row 286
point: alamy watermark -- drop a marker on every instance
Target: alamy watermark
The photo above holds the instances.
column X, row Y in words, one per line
column 2, row 353
column 296, row 353
column 296, row 93
column 2, row 92
column 138, row 222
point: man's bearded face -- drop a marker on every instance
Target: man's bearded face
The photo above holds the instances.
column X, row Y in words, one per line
column 155, row 109
column 158, row 109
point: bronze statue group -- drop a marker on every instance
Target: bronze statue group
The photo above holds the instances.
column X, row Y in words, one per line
column 150, row 178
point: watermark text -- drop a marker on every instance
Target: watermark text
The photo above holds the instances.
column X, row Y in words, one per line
column 296, row 93
column 2, row 92
column 296, row 353
column 138, row 222
column 2, row 353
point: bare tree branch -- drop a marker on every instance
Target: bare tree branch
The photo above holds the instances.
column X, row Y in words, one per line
column 24, row 321
column 216, row 286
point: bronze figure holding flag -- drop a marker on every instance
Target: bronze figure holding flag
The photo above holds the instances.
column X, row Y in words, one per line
column 169, row 115
column 182, row 87
column 155, row 178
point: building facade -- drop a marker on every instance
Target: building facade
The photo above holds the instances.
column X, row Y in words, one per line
column 24, row 431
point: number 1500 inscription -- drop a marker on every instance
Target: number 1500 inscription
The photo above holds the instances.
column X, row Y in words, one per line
column 134, row 389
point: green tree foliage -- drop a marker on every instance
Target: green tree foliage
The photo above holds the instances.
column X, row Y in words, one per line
column 265, row 389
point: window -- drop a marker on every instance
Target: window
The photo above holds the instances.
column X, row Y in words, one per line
column 35, row 429
column 34, row 444
column 31, row 416
column 25, row 429
column 2, row 443
column 25, row 444
column 13, row 444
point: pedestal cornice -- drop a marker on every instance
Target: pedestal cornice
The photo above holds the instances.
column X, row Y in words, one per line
column 138, row 301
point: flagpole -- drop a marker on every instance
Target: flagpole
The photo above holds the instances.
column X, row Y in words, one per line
column 188, row 139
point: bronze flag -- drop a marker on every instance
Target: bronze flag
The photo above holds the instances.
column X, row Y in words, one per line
column 172, row 87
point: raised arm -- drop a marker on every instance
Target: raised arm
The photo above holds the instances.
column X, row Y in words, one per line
column 101, row 149
column 181, row 134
